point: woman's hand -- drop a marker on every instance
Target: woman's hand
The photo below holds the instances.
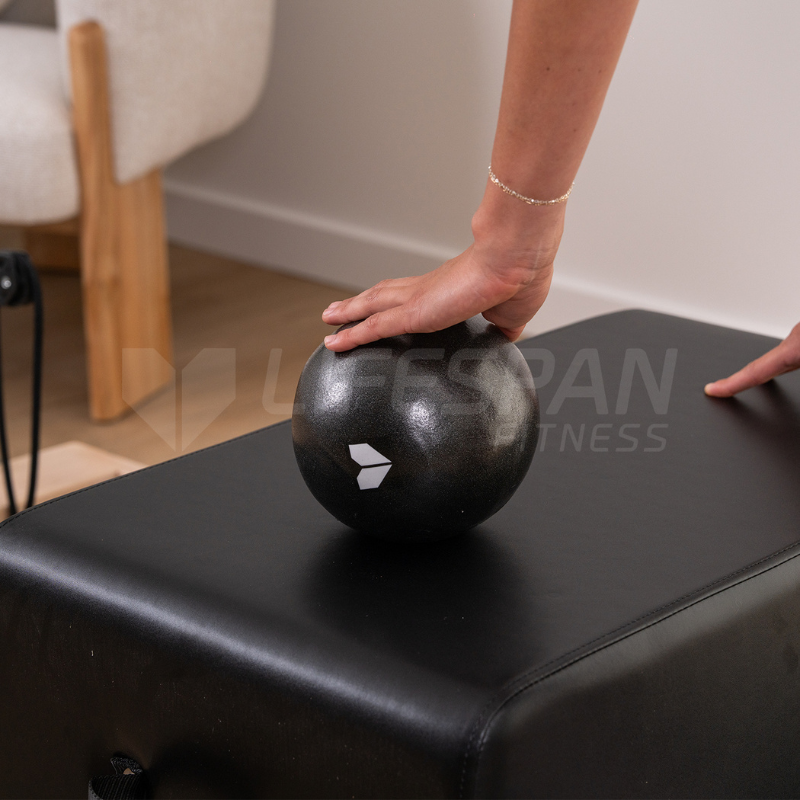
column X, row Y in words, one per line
column 505, row 275
column 561, row 56
column 781, row 359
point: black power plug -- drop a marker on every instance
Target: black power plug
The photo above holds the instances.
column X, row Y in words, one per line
column 19, row 285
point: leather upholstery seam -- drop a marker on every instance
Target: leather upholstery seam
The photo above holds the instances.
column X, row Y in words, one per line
column 487, row 716
column 139, row 472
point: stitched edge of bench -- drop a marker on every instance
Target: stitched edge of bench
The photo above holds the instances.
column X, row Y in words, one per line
column 483, row 723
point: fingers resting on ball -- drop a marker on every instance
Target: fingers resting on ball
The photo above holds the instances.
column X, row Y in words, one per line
column 381, row 297
column 376, row 326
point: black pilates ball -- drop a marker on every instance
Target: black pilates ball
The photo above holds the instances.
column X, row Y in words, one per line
column 420, row 436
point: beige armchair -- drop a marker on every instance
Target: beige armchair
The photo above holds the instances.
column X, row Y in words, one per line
column 91, row 112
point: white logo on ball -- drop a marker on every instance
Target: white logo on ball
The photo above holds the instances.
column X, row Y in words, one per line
column 375, row 465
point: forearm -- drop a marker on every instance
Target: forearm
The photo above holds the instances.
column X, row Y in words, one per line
column 561, row 58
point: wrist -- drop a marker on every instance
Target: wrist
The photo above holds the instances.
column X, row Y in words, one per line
column 509, row 231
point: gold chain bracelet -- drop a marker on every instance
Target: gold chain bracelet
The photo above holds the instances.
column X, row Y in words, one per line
column 497, row 182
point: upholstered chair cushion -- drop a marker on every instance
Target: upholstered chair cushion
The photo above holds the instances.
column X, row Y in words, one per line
column 180, row 73
column 38, row 170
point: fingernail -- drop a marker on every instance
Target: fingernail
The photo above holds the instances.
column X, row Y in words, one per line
column 708, row 388
column 329, row 340
column 333, row 305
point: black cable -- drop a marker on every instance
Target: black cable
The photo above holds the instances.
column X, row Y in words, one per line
column 19, row 285
column 12, row 503
column 36, row 404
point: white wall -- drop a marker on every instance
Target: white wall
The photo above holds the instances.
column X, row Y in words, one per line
column 367, row 156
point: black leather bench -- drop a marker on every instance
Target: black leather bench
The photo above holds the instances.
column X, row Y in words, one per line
column 628, row 625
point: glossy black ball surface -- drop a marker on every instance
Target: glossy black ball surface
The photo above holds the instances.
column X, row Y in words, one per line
column 419, row 436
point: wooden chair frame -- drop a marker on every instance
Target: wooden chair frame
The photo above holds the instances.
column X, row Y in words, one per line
column 122, row 248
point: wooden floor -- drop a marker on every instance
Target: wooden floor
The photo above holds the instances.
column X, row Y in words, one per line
column 217, row 303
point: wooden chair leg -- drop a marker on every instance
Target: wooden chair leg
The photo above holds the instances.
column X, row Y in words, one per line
column 124, row 270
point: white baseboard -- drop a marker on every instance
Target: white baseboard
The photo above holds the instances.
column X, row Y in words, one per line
column 354, row 257
column 322, row 249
